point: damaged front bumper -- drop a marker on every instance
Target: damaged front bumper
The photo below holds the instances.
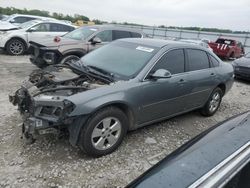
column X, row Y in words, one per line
column 42, row 114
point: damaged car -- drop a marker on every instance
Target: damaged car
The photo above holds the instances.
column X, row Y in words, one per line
column 121, row 86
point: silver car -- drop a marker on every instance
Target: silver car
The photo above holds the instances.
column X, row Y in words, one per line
column 121, row 86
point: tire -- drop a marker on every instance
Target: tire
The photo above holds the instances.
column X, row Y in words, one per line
column 213, row 103
column 15, row 47
column 69, row 59
column 100, row 129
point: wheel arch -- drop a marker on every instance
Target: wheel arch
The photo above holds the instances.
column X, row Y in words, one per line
column 222, row 86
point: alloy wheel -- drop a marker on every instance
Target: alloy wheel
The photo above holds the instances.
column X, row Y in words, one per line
column 214, row 102
column 16, row 47
column 106, row 133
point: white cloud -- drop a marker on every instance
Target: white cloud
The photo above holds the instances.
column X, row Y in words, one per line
column 229, row 14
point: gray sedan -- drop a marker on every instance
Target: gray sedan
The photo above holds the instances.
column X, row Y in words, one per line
column 122, row 86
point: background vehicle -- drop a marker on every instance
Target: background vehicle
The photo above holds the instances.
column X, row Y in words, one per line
column 197, row 42
column 16, row 41
column 121, row 86
column 218, row 157
column 17, row 19
column 227, row 48
column 77, row 43
column 242, row 67
column 2, row 16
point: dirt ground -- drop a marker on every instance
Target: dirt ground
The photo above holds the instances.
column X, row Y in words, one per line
column 54, row 163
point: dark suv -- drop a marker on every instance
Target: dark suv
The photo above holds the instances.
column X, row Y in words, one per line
column 73, row 45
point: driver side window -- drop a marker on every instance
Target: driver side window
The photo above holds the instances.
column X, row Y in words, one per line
column 105, row 36
column 44, row 27
column 173, row 61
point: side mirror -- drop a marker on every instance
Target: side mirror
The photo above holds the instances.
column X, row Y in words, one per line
column 161, row 73
column 12, row 21
column 31, row 30
column 96, row 40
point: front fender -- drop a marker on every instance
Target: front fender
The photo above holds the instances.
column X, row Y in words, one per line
column 93, row 105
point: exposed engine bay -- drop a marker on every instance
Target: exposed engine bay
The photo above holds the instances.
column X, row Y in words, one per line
column 54, row 81
column 42, row 101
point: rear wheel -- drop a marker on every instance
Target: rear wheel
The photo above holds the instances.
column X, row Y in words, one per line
column 15, row 47
column 69, row 59
column 213, row 103
column 104, row 132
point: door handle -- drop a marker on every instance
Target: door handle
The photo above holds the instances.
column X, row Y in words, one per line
column 212, row 74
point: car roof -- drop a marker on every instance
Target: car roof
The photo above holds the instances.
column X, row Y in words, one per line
column 114, row 27
column 31, row 16
column 158, row 43
column 54, row 21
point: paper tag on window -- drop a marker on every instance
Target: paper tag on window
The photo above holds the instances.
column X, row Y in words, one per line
column 145, row 49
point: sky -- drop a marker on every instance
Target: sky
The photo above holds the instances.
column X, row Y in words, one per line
column 224, row 14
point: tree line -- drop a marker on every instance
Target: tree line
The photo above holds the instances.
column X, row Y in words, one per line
column 75, row 17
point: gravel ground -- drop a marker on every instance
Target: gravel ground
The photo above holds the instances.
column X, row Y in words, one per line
column 54, row 163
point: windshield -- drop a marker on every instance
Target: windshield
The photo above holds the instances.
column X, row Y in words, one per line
column 5, row 18
column 122, row 59
column 80, row 33
column 8, row 18
column 28, row 24
column 247, row 55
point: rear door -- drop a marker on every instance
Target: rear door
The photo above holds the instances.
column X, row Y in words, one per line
column 165, row 97
column 201, row 76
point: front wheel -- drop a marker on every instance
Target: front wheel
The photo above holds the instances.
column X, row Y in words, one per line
column 104, row 132
column 15, row 47
column 213, row 102
column 69, row 59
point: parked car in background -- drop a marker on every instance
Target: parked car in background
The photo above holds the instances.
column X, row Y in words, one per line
column 227, row 48
column 242, row 67
column 197, row 42
column 99, row 98
column 2, row 16
column 218, row 157
column 17, row 19
column 16, row 40
column 72, row 46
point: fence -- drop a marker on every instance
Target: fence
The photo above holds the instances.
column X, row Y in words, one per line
column 165, row 33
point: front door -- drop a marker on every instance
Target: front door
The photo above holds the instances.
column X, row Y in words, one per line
column 165, row 97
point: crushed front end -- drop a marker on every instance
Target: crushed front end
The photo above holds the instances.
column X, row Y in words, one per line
column 42, row 100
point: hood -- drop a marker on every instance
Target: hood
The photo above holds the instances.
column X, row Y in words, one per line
column 6, row 26
column 49, row 42
column 243, row 62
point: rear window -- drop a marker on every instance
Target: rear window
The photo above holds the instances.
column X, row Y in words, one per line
column 60, row 28
column 135, row 35
column 225, row 41
column 197, row 59
column 214, row 61
column 117, row 34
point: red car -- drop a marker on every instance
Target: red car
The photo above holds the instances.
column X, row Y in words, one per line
column 227, row 48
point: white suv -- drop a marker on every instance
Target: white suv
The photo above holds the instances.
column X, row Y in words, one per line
column 16, row 40
column 17, row 19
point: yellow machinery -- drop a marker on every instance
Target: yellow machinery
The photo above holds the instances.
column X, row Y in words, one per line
column 82, row 23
